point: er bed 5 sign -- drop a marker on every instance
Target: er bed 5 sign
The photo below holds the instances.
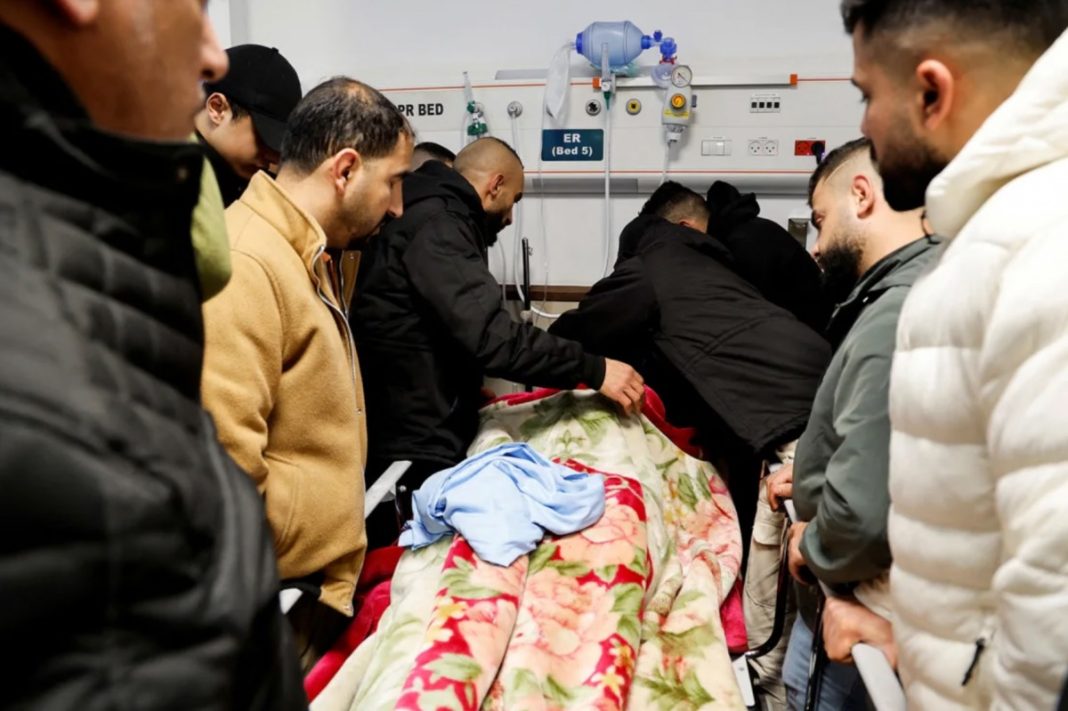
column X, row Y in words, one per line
column 572, row 144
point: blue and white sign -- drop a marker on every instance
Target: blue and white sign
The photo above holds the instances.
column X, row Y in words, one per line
column 572, row 144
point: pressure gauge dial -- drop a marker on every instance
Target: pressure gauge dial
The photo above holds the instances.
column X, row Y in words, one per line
column 681, row 76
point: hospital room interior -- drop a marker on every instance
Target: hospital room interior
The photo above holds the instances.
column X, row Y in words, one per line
column 570, row 356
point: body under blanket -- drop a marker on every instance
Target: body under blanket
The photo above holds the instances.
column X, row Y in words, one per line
column 622, row 615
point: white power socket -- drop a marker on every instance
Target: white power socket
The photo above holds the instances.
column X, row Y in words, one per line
column 763, row 147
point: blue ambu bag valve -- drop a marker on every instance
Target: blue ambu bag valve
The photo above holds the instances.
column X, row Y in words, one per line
column 625, row 43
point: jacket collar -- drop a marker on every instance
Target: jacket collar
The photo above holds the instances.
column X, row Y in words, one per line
column 899, row 268
column 1029, row 130
column 268, row 200
column 55, row 144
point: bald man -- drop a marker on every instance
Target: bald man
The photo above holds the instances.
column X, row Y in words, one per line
column 430, row 322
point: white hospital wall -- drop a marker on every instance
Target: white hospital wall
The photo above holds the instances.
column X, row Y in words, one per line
column 430, row 42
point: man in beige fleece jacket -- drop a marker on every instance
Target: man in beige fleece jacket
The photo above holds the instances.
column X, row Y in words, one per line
column 280, row 374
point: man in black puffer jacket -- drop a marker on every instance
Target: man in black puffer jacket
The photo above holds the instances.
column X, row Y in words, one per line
column 723, row 358
column 136, row 570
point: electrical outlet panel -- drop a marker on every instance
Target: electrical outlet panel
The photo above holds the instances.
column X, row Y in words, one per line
column 765, row 104
column 764, row 147
column 809, row 147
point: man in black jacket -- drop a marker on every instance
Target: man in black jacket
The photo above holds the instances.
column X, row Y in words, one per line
column 767, row 256
column 136, row 569
column 430, row 322
column 761, row 251
column 724, row 359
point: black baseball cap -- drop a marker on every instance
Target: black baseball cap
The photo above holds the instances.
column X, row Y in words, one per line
column 265, row 84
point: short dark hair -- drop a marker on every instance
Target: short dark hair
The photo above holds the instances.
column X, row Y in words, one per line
column 237, row 109
column 673, row 202
column 835, row 160
column 436, row 151
column 341, row 113
column 1031, row 25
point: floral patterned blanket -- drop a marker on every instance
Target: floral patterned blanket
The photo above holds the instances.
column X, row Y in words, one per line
column 623, row 615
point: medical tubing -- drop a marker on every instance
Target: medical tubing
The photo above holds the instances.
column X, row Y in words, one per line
column 542, row 312
column 541, row 209
column 607, row 187
column 517, row 251
column 517, row 246
column 504, row 270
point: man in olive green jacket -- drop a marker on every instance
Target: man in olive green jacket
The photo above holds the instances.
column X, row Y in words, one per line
column 871, row 255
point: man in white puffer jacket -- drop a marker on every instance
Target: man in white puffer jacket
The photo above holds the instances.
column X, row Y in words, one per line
column 967, row 102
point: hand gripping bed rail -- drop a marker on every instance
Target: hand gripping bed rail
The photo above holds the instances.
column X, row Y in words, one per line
column 880, row 680
column 384, row 488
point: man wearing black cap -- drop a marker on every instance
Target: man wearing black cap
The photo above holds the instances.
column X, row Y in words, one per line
column 244, row 117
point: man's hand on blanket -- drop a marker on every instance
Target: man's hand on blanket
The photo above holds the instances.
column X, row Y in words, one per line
column 780, row 486
column 796, row 561
column 623, row 386
column 847, row 622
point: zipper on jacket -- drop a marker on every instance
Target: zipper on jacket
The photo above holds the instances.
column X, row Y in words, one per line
column 980, row 647
column 339, row 313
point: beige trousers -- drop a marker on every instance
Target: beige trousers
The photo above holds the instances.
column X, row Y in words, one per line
column 761, row 589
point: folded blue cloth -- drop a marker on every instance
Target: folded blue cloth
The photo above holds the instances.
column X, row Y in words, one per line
column 503, row 501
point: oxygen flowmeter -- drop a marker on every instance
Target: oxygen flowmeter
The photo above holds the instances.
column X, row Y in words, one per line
column 678, row 103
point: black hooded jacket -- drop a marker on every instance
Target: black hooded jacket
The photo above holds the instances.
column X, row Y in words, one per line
column 766, row 255
column 136, row 567
column 717, row 350
column 430, row 323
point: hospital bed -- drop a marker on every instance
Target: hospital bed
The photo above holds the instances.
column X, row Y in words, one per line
column 878, row 677
column 670, row 536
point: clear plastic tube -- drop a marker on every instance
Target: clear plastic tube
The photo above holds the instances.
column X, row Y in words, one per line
column 517, row 246
column 667, row 162
column 607, row 187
